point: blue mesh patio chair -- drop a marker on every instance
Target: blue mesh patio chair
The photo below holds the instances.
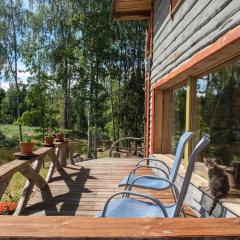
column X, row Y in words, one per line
column 127, row 207
column 155, row 182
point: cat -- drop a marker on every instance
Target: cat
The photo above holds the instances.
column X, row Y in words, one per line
column 218, row 181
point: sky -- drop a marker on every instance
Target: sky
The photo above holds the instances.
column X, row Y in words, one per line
column 22, row 75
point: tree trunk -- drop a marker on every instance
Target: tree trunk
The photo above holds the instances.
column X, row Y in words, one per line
column 65, row 90
column 90, row 116
column 89, row 145
column 96, row 111
column 15, row 73
column 113, row 115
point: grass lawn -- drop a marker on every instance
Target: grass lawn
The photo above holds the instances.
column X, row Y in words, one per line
column 10, row 144
column 12, row 131
column 17, row 183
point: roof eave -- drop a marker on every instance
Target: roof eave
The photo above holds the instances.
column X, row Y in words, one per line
column 128, row 15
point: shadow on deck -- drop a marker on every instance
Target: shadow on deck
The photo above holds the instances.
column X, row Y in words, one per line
column 86, row 187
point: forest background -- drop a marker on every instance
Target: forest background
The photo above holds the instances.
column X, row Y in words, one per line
column 85, row 73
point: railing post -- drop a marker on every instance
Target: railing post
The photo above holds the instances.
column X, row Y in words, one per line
column 27, row 190
column 127, row 148
column 64, row 154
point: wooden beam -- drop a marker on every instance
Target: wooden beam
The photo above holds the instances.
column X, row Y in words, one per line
column 157, row 122
column 50, row 173
column 131, row 15
column 27, row 190
column 77, row 227
column 167, row 122
column 113, row 7
column 147, row 96
column 190, row 115
column 32, row 175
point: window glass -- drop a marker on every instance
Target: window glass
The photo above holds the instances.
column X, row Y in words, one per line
column 218, row 113
column 179, row 115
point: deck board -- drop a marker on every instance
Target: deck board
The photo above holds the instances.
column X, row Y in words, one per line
column 87, row 187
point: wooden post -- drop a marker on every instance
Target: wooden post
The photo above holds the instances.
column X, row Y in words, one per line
column 50, row 173
column 161, row 121
column 148, row 58
column 190, row 115
column 27, row 190
column 64, row 154
column 157, row 122
column 147, row 96
column 32, row 175
column 167, row 122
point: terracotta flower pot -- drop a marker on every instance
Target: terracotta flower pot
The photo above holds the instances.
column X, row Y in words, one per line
column 60, row 137
column 26, row 148
column 49, row 140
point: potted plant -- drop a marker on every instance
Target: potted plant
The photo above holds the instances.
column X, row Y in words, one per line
column 60, row 135
column 26, row 146
column 49, row 138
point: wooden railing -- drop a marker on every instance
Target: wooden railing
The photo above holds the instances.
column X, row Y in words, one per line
column 76, row 227
column 119, row 147
column 30, row 169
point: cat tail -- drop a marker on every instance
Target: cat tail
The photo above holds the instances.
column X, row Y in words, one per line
column 214, row 204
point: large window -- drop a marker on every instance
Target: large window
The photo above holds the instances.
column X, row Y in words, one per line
column 218, row 112
column 179, row 115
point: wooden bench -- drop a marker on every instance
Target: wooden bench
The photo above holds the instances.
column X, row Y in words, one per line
column 30, row 168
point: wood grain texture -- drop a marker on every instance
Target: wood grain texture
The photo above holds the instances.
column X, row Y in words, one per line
column 157, row 120
column 201, row 35
column 131, row 9
column 86, row 186
column 195, row 25
column 147, row 96
column 167, row 114
column 97, row 228
column 27, row 190
column 17, row 164
column 190, row 115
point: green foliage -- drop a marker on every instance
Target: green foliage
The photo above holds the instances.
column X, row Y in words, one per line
column 49, row 132
column 87, row 75
column 30, row 118
column 11, row 131
column 28, row 137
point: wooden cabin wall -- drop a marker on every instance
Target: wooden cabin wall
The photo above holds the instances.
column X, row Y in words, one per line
column 195, row 25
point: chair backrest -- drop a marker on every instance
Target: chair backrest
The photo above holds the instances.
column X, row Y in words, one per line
column 184, row 188
column 179, row 154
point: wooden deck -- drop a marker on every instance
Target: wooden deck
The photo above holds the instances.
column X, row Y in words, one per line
column 86, row 187
column 82, row 189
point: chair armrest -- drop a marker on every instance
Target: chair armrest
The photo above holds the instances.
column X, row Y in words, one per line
column 157, row 178
column 144, row 159
column 155, row 160
column 156, row 201
column 145, row 166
